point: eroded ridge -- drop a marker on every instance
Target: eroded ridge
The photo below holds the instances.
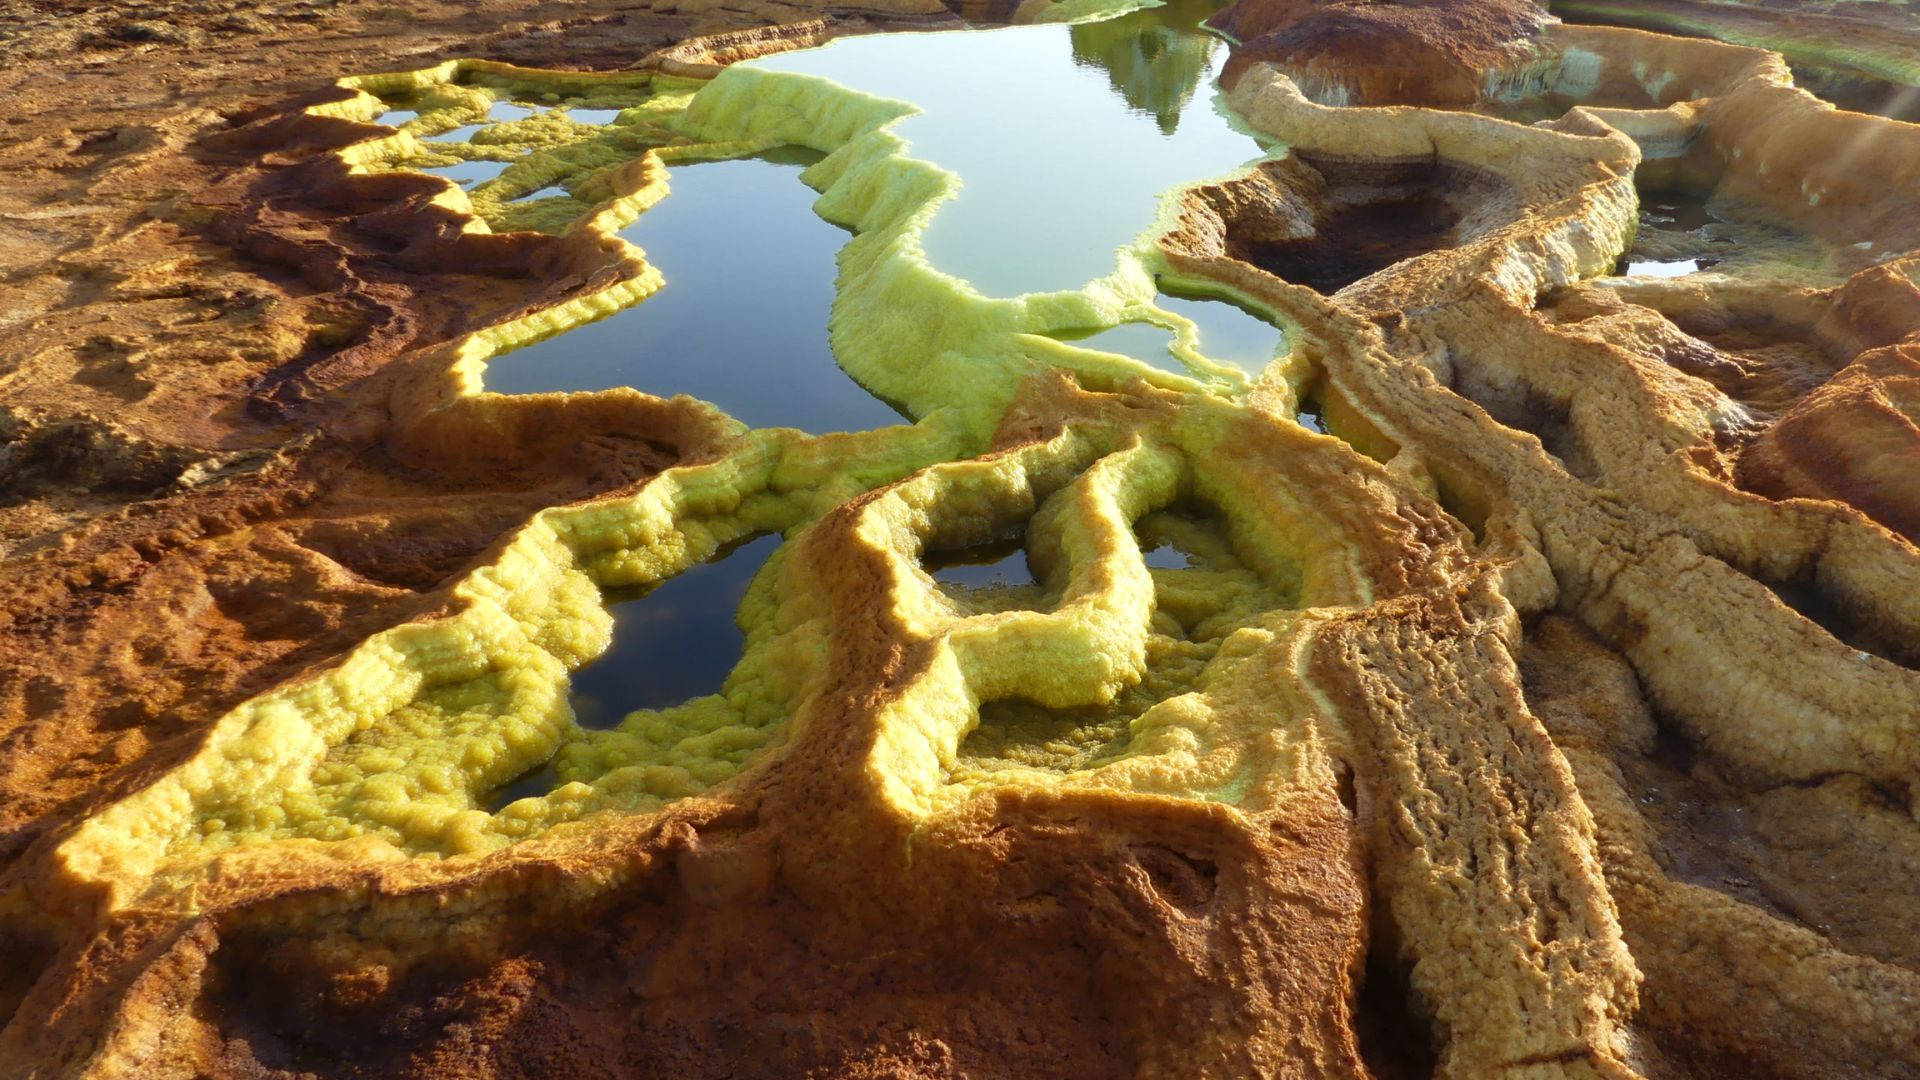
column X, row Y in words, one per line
column 1516, row 676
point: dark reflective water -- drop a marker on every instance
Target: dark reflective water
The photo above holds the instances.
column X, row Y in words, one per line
column 742, row 321
column 1168, row 536
column 676, row 642
column 998, row 563
column 1353, row 242
column 1065, row 137
column 1312, row 417
column 1675, row 223
column 535, row 782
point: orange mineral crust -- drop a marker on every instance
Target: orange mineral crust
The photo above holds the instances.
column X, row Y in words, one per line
column 1516, row 675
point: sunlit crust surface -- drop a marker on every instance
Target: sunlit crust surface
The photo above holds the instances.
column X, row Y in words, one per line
column 1552, row 714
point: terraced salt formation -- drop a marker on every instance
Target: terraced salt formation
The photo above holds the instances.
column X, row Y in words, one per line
column 1553, row 714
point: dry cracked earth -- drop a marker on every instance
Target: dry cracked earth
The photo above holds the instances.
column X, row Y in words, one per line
column 1539, row 694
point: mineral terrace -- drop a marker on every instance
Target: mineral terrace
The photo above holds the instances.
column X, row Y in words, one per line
column 1511, row 668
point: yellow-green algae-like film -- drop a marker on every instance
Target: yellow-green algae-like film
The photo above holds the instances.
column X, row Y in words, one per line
column 399, row 744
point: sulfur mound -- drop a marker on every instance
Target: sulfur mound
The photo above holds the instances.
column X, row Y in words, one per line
column 1515, row 676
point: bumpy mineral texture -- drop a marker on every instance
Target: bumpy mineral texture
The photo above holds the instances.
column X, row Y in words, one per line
column 1536, row 695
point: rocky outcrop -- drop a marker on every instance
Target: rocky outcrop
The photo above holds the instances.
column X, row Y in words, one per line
column 1534, row 693
column 1426, row 52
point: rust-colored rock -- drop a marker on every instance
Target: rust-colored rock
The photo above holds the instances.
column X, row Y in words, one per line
column 1356, row 52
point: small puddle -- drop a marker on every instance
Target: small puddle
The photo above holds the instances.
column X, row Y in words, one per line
column 1066, row 136
column 675, row 642
column 593, row 116
column 1674, row 211
column 1672, row 223
column 1312, row 416
column 1142, row 341
column 468, row 173
column 998, row 564
column 530, row 784
column 507, row 110
column 459, row 134
column 989, row 577
column 1178, row 537
column 1167, row 557
column 742, row 320
column 1681, row 234
column 1352, row 242
column 1228, row 333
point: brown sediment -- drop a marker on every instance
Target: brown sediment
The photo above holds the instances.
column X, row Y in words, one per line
column 1418, row 52
column 1554, row 717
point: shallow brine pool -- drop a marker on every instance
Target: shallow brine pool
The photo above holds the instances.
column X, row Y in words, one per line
column 1064, row 138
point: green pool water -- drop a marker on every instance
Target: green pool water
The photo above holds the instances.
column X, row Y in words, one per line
column 742, row 321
